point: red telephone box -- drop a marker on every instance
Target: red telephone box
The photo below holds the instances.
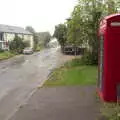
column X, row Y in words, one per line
column 109, row 58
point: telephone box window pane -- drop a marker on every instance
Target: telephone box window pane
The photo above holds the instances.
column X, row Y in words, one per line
column 101, row 62
column 115, row 24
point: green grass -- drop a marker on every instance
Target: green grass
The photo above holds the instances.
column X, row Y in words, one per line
column 73, row 73
column 110, row 111
column 6, row 55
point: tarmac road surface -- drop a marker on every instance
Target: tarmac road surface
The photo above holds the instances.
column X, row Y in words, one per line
column 21, row 75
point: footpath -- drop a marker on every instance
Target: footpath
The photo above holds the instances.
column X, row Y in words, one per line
column 61, row 103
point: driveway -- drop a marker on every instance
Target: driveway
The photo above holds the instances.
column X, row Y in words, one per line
column 20, row 76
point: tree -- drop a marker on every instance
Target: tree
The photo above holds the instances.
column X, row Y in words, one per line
column 83, row 25
column 30, row 29
column 61, row 34
column 47, row 38
column 43, row 38
column 17, row 45
column 35, row 37
column 112, row 6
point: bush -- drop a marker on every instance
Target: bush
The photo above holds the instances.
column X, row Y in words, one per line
column 17, row 45
column 1, row 50
column 74, row 63
column 89, row 59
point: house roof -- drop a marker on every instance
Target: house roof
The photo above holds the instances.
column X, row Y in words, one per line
column 13, row 29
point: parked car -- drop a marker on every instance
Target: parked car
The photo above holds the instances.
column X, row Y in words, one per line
column 28, row 50
column 72, row 50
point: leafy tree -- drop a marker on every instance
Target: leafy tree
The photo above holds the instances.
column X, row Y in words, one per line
column 17, row 45
column 61, row 34
column 112, row 6
column 40, row 38
column 44, row 38
column 47, row 39
column 36, row 41
column 30, row 29
column 35, row 37
column 84, row 24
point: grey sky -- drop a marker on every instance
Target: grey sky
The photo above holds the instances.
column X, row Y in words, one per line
column 43, row 15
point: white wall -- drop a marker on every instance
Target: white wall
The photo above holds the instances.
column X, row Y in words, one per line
column 11, row 36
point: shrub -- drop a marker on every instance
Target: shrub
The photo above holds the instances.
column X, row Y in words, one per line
column 1, row 50
column 74, row 63
column 17, row 45
column 89, row 59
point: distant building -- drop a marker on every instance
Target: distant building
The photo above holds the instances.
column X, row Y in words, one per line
column 8, row 33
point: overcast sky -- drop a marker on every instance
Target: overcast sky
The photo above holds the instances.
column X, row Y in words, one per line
column 43, row 15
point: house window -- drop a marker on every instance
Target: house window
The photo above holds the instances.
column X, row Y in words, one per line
column 1, row 37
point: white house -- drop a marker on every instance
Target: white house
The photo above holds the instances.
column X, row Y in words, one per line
column 8, row 33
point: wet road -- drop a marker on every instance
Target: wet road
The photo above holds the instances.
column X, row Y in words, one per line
column 20, row 76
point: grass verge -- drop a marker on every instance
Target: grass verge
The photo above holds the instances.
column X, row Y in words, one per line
column 6, row 55
column 110, row 111
column 73, row 73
